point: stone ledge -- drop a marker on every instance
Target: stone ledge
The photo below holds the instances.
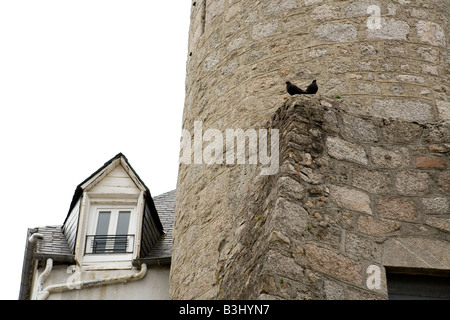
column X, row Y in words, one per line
column 416, row 253
column 330, row 262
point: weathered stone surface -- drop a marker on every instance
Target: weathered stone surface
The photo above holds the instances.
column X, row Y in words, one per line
column 391, row 157
column 436, row 205
column 358, row 294
column 437, row 133
column 291, row 188
column 435, row 148
column 214, row 9
column 431, row 33
column 390, row 29
column 360, row 246
column 433, row 70
column 428, row 54
column 359, row 8
column 344, row 150
column 443, row 109
column 278, row 238
column 368, row 88
column 431, row 163
column 396, row 208
column 264, row 30
column 410, row 78
column 407, row 110
column 444, row 182
column 232, row 11
column 412, row 182
column 291, row 216
column 350, row 199
column 359, row 129
column 416, row 253
column 401, row 132
column 325, row 12
column 311, row 2
column 374, row 226
column 334, row 290
column 440, row 223
column 210, row 62
column 280, row 6
column 279, row 265
column 268, row 297
column 333, row 263
column 381, row 107
column 336, row 32
column 373, row 181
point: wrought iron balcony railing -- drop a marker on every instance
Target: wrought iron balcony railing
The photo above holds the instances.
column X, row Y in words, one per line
column 100, row 244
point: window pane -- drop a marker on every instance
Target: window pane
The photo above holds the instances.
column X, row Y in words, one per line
column 121, row 240
column 103, row 223
column 100, row 240
column 123, row 222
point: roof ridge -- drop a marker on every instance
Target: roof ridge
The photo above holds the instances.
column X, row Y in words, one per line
column 165, row 194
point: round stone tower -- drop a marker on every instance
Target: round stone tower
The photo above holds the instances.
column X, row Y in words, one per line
column 386, row 59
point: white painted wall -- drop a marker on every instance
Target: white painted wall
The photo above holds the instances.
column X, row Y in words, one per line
column 115, row 188
column 154, row 286
column 116, row 182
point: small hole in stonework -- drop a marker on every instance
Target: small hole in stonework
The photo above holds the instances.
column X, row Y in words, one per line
column 194, row 4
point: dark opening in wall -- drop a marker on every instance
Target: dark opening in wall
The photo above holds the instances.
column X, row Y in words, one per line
column 417, row 284
column 203, row 13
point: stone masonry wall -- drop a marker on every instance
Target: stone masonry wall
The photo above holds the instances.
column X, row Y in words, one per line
column 395, row 83
column 352, row 192
column 242, row 52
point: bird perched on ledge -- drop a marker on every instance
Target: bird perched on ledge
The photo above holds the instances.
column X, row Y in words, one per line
column 293, row 89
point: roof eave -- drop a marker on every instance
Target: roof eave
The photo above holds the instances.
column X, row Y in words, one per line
column 133, row 174
column 160, row 261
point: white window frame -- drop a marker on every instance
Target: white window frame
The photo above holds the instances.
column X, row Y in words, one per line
column 99, row 259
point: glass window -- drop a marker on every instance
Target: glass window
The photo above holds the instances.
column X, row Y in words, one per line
column 123, row 222
column 121, row 240
column 103, row 222
column 112, row 232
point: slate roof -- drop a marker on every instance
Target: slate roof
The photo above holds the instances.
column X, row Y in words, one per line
column 165, row 206
column 55, row 246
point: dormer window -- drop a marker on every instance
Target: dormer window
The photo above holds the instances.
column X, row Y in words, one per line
column 112, row 234
column 114, row 231
column 112, row 220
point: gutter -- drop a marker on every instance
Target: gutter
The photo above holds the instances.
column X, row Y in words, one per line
column 44, row 294
column 45, row 273
column 161, row 261
column 30, row 247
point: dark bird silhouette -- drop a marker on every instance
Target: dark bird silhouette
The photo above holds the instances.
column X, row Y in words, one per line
column 312, row 88
column 293, row 89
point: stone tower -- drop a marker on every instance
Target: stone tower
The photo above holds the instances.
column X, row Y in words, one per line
column 363, row 174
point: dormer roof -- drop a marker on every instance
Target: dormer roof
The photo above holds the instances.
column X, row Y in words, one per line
column 90, row 182
column 55, row 243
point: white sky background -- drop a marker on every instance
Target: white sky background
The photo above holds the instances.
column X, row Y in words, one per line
column 81, row 81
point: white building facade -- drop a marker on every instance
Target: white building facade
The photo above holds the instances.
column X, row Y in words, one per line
column 115, row 242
